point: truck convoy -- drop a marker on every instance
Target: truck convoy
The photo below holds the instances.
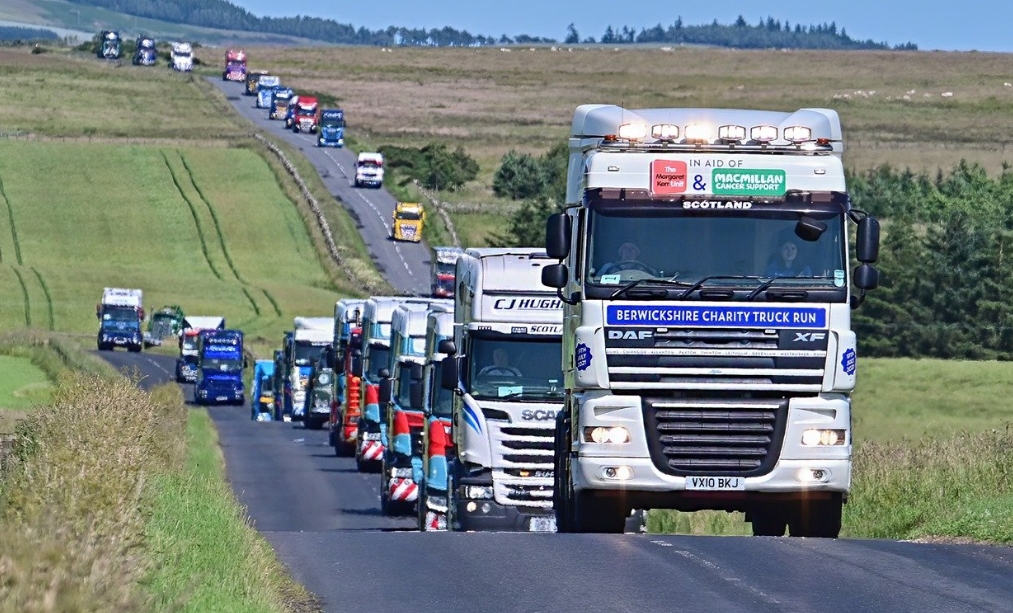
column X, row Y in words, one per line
column 401, row 467
column 252, row 77
column 310, row 336
column 145, row 53
column 280, row 99
column 348, row 375
column 220, row 363
column 437, row 405
column 120, row 314
column 444, row 266
column 235, row 66
column 265, row 90
column 110, row 45
column 181, row 57
column 708, row 353
column 305, row 117
column 332, row 128
column 369, row 170
column 507, row 388
column 186, row 363
column 409, row 219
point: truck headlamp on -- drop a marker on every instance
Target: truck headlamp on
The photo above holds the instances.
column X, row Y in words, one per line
column 823, row 438
column 698, row 133
column 477, row 491
column 632, row 131
column 732, row 133
column 763, row 134
column 665, row 131
column 798, row 134
column 606, row 434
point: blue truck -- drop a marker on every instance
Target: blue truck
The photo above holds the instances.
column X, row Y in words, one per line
column 220, row 363
column 262, row 398
column 332, row 128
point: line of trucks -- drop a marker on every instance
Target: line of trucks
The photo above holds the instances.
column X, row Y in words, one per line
column 660, row 352
column 110, row 47
column 303, row 114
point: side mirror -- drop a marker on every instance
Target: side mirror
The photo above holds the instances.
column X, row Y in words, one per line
column 447, row 346
column 357, row 363
column 384, row 373
column 557, row 236
column 449, row 376
column 866, row 277
column 555, row 276
column 867, row 241
column 246, row 362
column 416, row 373
column 415, row 395
column 384, row 392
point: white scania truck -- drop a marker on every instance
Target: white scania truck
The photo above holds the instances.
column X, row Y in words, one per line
column 708, row 355
column 508, row 390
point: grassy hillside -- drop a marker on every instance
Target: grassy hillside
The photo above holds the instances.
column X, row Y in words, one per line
column 135, row 177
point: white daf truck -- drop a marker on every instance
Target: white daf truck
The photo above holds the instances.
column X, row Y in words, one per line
column 311, row 336
column 508, row 388
column 708, row 355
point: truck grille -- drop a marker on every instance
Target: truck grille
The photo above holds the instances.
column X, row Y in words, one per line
column 714, row 436
column 522, row 456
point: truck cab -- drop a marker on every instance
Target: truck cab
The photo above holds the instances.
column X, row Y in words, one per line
column 265, row 90
column 280, row 98
column 278, row 385
column 332, row 128
column 409, row 220
column 304, row 118
column 320, row 401
column 252, row 77
column 310, row 337
column 262, row 397
column 235, row 66
column 145, row 53
column 164, row 323
column 220, row 363
column 369, row 170
column 444, row 270
column 401, row 470
column 110, row 46
column 437, row 406
column 708, row 354
column 507, row 391
column 348, row 375
column 120, row 314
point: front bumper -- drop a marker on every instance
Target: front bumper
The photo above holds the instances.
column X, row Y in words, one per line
column 489, row 515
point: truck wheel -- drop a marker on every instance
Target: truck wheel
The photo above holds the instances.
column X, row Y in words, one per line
column 768, row 522
column 420, row 506
column 818, row 518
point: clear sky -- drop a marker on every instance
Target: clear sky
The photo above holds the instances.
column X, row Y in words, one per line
column 930, row 24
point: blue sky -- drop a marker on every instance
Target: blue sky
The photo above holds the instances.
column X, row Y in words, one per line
column 930, row 24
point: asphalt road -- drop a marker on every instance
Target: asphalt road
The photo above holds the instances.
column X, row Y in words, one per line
column 405, row 265
column 323, row 520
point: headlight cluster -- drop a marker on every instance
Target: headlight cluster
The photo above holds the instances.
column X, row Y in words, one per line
column 606, row 434
column 823, row 438
column 478, row 491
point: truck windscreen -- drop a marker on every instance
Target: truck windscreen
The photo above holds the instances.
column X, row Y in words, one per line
column 377, row 359
column 442, row 399
column 118, row 313
column 665, row 241
column 525, row 368
column 307, row 353
column 222, row 364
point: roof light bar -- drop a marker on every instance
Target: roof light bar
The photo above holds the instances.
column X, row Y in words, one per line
column 633, row 131
column 763, row 134
column 698, row 133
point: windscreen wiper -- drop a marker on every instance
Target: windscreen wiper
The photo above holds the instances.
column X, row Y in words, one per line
column 664, row 282
column 699, row 284
column 770, row 281
column 530, row 394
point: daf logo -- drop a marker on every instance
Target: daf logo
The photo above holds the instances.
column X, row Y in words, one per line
column 808, row 337
column 631, row 335
column 538, row 414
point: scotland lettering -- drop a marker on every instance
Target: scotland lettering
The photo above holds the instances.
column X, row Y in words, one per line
column 717, row 316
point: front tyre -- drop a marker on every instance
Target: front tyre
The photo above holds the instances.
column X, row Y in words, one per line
column 818, row 518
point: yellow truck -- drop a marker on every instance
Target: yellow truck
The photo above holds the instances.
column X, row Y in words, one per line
column 409, row 218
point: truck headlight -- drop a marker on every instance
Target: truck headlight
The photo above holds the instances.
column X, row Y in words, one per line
column 478, row 491
column 823, row 438
column 606, row 434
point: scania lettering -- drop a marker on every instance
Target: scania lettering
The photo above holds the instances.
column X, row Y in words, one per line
column 506, row 380
column 708, row 356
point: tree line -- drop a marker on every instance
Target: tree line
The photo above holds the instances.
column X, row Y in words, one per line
column 222, row 14
column 768, row 33
column 17, row 35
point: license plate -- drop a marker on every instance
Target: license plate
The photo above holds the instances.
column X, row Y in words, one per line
column 370, row 436
column 542, row 524
column 221, row 398
column 716, row 484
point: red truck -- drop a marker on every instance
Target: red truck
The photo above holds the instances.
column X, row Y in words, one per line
column 305, row 119
column 235, row 66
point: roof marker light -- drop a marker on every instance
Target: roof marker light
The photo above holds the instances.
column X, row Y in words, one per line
column 797, row 134
column 763, row 134
column 665, row 131
column 633, row 131
column 732, row 133
column 698, row 133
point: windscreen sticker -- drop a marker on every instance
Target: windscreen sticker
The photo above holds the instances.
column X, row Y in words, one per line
column 839, row 278
column 668, row 177
column 849, row 361
column 751, row 182
column 583, row 357
column 610, row 279
column 716, row 316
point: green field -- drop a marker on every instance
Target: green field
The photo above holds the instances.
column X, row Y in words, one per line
column 22, row 384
